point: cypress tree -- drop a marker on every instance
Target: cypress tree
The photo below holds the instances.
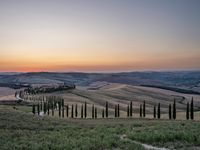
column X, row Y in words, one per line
column 45, row 107
column 154, row 112
column 41, row 105
column 52, row 108
column 131, row 109
column 38, row 108
column 115, row 111
column 170, row 111
column 187, row 111
column 67, row 111
column 76, row 110
column 62, row 102
column 159, row 111
column 85, row 110
column 93, row 111
column 59, row 107
column 174, row 110
column 106, row 109
column 140, row 110
column 118, row 111
column 33, row 109
column 144, row 110
column 55, row 104
column 192, row 110
column 102, row 113
column 63, row 112
column 72, row 112
column 48, row 107
column 82, row 111
column 128, row 110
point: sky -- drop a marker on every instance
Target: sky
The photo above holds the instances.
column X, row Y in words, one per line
column 99, row 35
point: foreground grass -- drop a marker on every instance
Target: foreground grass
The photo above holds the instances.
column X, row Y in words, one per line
column 19, row 130
column 22, row 130
column 175, row 134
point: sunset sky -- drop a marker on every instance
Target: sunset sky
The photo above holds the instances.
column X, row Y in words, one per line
column 99, row 35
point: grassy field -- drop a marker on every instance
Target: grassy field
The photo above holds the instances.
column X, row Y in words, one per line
column 19, row 129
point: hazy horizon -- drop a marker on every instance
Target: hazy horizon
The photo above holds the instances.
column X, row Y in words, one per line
column 99, row 36
column 142, row 71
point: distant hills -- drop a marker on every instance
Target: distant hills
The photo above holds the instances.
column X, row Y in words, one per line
column 183, row 81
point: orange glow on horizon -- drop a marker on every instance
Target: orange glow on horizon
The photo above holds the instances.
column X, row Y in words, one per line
column 32, row 64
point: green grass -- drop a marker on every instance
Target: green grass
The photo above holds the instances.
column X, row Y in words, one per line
column 22, row 130
column 174, row 134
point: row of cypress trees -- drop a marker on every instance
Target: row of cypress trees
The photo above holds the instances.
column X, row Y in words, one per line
column 48, row 105
column 190, row 110
column 156, row 114
column 172, row 112
column 143, row 109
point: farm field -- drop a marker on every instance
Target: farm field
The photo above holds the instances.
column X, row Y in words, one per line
column 122, row 94
column 7, row 94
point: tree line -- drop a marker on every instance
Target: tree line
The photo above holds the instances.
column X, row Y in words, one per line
column 48, row 105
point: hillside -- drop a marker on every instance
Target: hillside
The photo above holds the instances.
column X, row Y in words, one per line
column 182, row 81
